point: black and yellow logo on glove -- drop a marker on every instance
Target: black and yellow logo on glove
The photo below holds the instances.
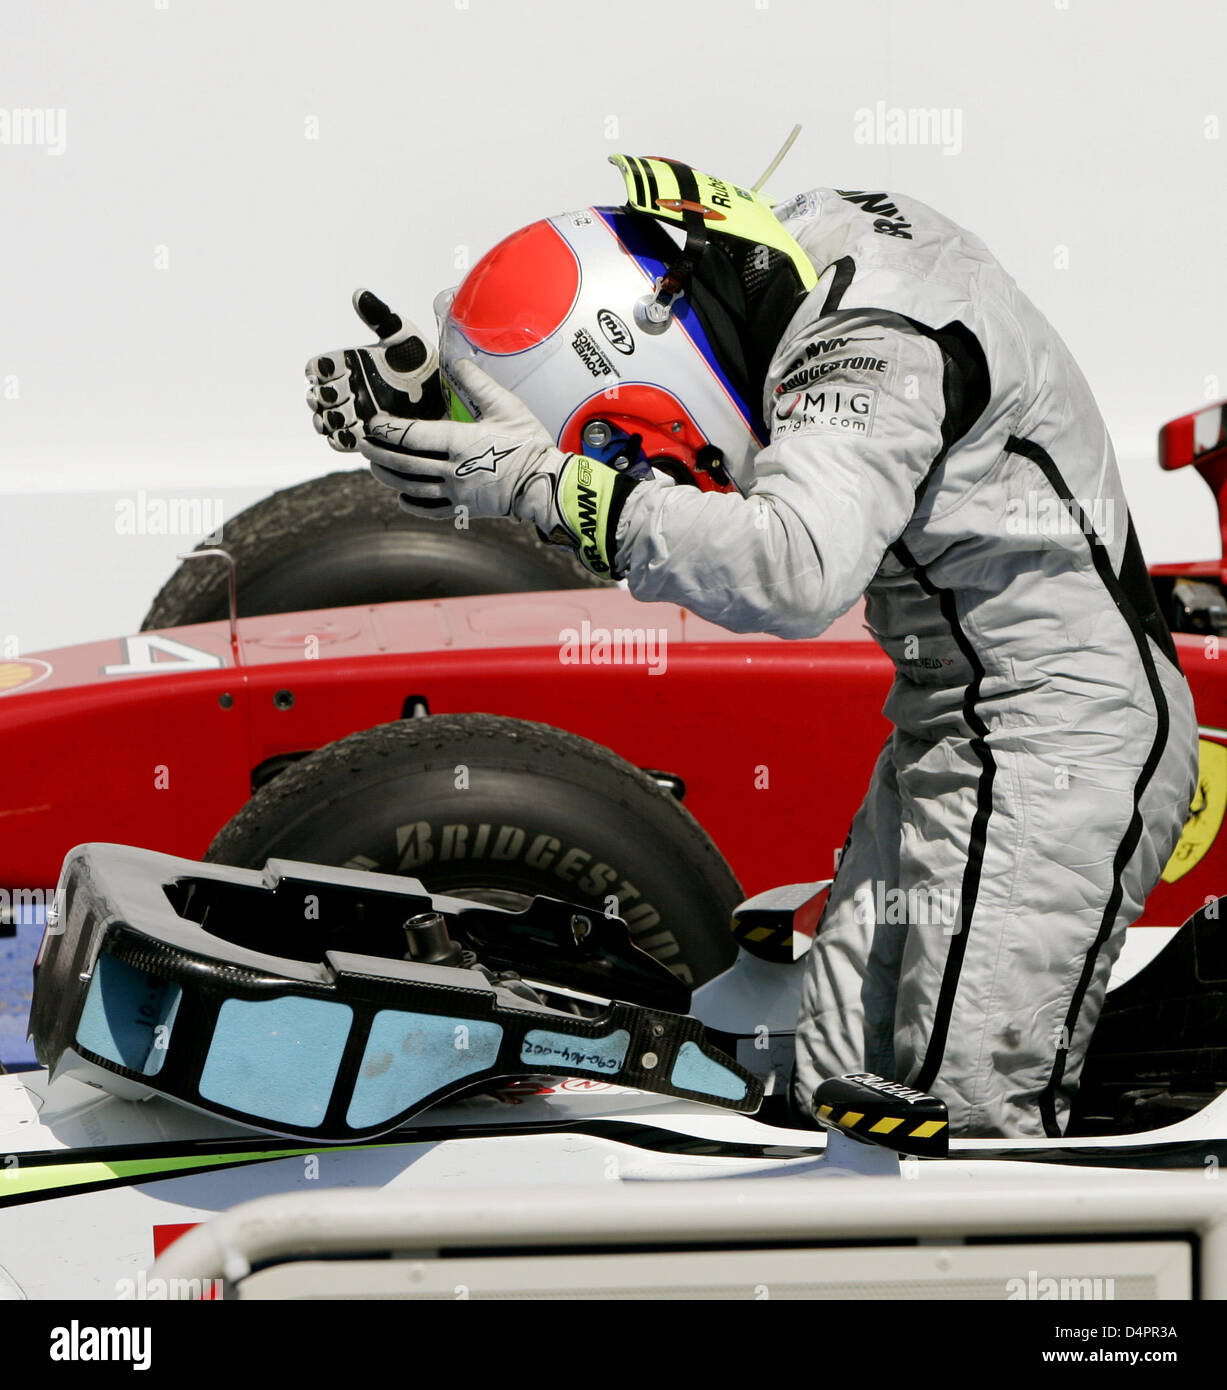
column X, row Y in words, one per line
column 590, row 499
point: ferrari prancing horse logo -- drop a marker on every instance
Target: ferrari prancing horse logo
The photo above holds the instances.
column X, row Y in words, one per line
column 16, row 675
column 1205, row 813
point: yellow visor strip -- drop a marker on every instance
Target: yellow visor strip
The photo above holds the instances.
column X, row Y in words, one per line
column 727, row 210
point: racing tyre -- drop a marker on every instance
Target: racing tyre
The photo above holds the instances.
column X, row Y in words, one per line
column 499, row 810
column 343, row 540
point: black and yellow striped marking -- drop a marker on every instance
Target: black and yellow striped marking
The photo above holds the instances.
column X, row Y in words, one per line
column 886, row 1124
column 767, row 940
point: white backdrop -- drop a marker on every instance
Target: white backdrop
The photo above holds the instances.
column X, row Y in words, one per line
column 205, row 184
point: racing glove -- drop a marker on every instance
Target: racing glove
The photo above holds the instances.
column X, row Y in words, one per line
column 398, row 375
column 502, row 463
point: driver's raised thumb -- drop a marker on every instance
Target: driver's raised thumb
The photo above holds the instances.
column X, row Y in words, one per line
column 376, row 315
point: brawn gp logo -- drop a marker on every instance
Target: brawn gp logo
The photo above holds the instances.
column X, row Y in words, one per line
column 587, row 503
column 886, row 216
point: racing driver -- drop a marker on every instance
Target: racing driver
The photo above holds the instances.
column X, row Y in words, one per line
column 763, row 412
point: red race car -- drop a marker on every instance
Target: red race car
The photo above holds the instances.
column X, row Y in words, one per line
column 393, row 735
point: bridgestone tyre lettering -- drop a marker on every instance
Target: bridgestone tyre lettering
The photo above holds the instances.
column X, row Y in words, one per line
column 507, row 809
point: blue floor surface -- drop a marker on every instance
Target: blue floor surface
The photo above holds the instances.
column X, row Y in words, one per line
column 16, row 983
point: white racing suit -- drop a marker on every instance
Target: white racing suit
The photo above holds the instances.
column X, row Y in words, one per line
column 935, row 447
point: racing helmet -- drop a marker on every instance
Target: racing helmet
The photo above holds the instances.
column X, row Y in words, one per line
column 640, row 334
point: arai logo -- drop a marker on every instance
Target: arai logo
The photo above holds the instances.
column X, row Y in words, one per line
column 616, row 332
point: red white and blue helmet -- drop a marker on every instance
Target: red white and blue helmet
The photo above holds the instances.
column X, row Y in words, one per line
column 638, row 334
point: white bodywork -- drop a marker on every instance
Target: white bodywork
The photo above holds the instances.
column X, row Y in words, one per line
column 99, row 1244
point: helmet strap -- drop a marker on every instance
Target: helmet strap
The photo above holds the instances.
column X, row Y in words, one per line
column 677, row 277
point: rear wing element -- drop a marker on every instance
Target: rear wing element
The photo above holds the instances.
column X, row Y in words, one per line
column 1201, row 439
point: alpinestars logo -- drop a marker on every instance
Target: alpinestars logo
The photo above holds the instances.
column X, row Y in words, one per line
column 485, row 462
column 391, row 433
column 887, row 217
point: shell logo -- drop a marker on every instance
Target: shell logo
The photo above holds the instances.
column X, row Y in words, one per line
column 20, row 675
